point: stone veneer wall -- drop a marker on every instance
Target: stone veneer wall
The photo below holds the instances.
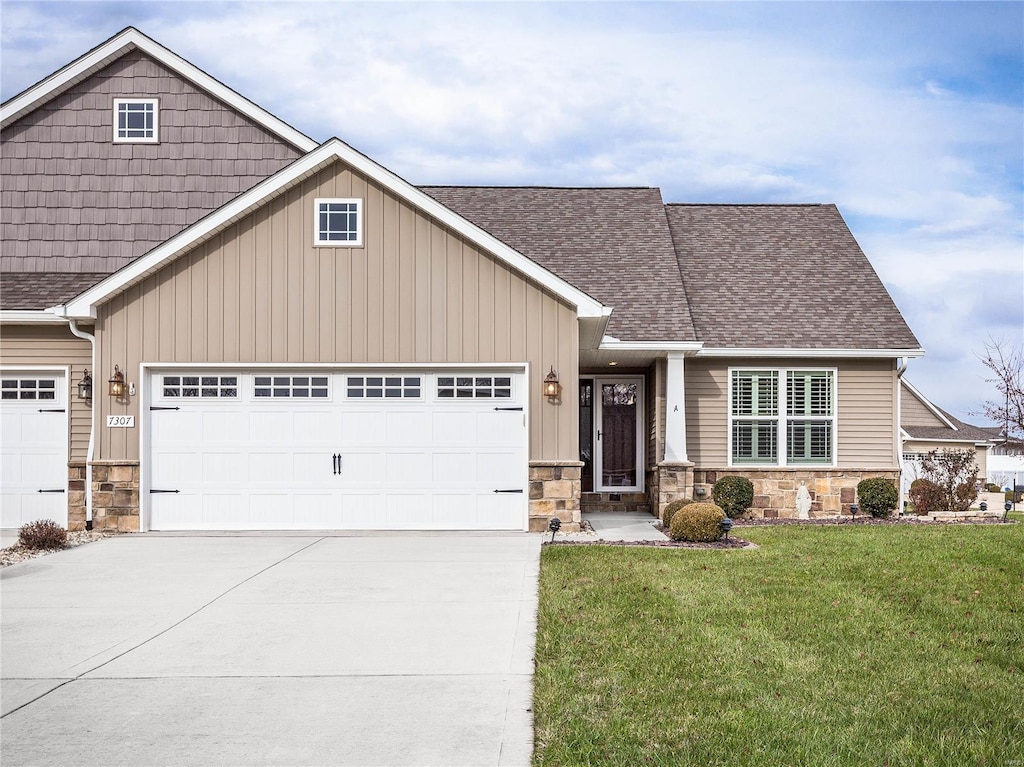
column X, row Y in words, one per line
column 115, row 496
column 832, row 490
column 555, row 488
column 76, row 496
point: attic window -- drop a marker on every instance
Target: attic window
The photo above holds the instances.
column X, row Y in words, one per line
column 136, row 121
column 339, row 223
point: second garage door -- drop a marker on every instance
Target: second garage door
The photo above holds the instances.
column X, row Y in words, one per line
column 308, row 450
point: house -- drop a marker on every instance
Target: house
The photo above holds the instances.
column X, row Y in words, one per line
column 209, row 320
column 926, row 427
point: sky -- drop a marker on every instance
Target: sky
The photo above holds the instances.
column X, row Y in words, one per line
column 908, row 116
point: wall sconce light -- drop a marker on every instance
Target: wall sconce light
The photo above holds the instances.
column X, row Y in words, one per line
column 85, row 386
column 551, row 387
column 115, row 384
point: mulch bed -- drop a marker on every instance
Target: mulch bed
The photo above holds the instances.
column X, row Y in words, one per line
column 732, row 543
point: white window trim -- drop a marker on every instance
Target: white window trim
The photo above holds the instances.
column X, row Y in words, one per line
column 155, row 138
column 784, row 418
column 357, row 242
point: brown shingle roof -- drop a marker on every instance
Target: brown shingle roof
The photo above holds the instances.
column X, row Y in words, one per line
column 41, row 290
column 963, row 431
column 782, row 276
column 613, row 244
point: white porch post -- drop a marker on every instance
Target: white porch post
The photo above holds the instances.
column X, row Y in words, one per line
column 675, row 410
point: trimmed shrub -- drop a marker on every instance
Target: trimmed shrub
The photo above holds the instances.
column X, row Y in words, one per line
column 43, row 534
column 926, row 496
column 992, row 487
column 734, row 495
column 672, row 508
column 878, row 496
column 697, row 522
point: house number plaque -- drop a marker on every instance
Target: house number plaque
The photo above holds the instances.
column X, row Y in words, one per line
column 121, row 421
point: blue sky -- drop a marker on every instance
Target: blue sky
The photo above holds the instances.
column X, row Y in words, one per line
column 908, row 116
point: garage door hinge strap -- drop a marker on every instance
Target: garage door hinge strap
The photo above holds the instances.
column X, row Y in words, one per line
column 157, row 407
column 56, row 410
column 164, row 491
column 510, row 491
column 51, row 491
column 517, row 409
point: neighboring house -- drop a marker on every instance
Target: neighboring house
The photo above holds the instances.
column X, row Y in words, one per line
column 926, row 428
column 283, row 334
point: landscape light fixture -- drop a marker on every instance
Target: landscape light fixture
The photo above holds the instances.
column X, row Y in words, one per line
column 85, row 386
column 726, row 525
column 853, row 509
column 551, row 387
column 115, row 384
column 554, row 526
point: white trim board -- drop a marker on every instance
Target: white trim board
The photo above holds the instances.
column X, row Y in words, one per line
column 84, row 306
column 124, row 42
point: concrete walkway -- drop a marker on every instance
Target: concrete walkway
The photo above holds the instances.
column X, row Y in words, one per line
column 618, row 526
column 267, row 649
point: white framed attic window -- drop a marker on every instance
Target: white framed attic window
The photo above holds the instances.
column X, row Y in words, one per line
column 338, row 222
column 782, row 417
column 136, row 121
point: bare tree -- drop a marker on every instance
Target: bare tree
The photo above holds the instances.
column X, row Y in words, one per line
column 955, row 474
column 1006, row 364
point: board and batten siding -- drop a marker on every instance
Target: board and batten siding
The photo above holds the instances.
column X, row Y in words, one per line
column 260, row 292
column 866, row 409
column 54, row 346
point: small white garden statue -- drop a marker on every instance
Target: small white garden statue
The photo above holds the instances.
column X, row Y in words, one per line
column 803, row 502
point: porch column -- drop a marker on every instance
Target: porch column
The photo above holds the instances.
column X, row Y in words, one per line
column 675, row 410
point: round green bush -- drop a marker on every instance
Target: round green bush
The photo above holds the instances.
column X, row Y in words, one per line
column 734, row 495
column 992, row 487
column 672, row 508
column 697, row 522
column 878, row 496
column 926, row 496
column 43, row 534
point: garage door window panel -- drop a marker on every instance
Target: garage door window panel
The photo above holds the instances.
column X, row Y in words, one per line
column 291, row 387
column 474, row 387
column 384, row 387
column 28, row 389
column 200, row 386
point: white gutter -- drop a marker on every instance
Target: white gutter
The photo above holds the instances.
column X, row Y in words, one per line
column 29, row 317
column 73, row 326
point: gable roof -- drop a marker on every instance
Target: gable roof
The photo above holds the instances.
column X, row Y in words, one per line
column 124, row 42
column 952, row 428
column 613, row 243
column 783, row 277
column 334, row 150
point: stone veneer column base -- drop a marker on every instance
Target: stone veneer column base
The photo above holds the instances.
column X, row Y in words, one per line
column 76, row 496
column 673, row 480
column 832, row 490
column 555, row 492
column 115, row 496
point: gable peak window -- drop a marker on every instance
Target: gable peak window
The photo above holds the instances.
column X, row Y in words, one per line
column 338, row 222
column 136, row 121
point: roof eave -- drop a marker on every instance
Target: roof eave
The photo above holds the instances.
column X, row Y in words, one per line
column 132, row 39
column 813, row 353
column 30, row 317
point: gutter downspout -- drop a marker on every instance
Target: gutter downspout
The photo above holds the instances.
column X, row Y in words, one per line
column 904, row 361
column 73, row 326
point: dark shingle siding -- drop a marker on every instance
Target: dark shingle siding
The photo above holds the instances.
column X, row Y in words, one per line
column 82, row 200
column 782, row 276
column 41, row 290
column 613, row 244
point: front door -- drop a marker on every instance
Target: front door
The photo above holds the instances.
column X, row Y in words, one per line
column 618, row 434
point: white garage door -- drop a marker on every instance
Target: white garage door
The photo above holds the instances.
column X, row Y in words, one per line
column 308, row 450
column 33, row 448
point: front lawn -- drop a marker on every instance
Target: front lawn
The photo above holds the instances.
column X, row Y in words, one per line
column 827, row 646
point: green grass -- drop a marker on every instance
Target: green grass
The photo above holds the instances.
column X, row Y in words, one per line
column 827, row 646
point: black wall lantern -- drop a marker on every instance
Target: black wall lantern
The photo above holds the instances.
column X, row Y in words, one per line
column 85, row 386
column 115, row 384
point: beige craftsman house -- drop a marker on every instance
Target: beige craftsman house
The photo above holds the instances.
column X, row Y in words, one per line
column 212, row 321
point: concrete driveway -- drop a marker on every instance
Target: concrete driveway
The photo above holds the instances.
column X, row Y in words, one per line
column 378, row 649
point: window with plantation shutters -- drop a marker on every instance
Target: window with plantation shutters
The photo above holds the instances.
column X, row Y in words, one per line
column 782, row 417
